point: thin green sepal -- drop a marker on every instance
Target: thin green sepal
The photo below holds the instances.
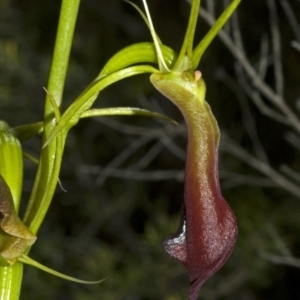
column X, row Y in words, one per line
column 27, row 260
column 205, row 42
column 54, row 106
column 161, row 61
column 183, row 64
column 86, row 99
column 30, row 157
column 141, row 14
column 25, row 132
column 125, row 111
column 138, row 53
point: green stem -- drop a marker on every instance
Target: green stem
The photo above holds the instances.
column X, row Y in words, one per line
column 63, row 43
column 50, row 159
column 11, row 281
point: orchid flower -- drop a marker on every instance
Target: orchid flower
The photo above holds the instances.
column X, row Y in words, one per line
column 208, row 229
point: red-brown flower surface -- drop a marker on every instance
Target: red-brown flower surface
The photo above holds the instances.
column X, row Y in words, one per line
column 208, row 230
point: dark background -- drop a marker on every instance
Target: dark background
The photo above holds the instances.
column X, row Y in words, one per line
column 110, row 222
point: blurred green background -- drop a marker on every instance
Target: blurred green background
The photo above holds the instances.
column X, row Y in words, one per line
column 124, row 175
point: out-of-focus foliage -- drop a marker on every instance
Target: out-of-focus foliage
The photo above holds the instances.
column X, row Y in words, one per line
column 124, row 175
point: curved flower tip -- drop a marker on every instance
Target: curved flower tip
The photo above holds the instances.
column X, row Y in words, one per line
column 208, row 229
column 200, row 250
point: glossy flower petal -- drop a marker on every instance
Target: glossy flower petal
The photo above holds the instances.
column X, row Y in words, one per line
column 208, row 229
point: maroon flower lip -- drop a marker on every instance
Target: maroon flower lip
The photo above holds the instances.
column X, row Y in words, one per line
column 208, row 229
